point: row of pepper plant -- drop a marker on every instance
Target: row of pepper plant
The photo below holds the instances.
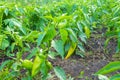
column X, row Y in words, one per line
column 32, row 31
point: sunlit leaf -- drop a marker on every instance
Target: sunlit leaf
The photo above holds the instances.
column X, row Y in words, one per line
column 51, row 32
column 49, row 17
column 64, row 35
column 27, row 64
column 62, row 24
column 37, row 64
column 64, row 16
column 87, row 31
column 115, row 77
column 111, row 67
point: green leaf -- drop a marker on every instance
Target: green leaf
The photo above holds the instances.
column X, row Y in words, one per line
column 33, row 53
column 28, row 77
column 64, row 35
column 63, row 17
column 115, row 77
column 12, row 46
column 115, row 19
column 79, row 26
column 49, row 17
column 44, row 69
column 60, row 73
column 27, row 64
column 6, row 11
column 52, row 54
column 106, row 42
column 118, row 46
column 37, row 64
column 1, row 39
column 72, row 35
column 17, row 23
column 51, row 32
column 111, row 33
column 59, row 47
column 112, row 66
column 62, row 24
column 32, row 36
column 4, row 64
column 82, row 36
column 115, row 10
column 118, row 43
column 40, row 38
column 80, row 46
column 5, row 44
column 67, row 46
column 99, row 2
column 1, row 16
column 19, row 55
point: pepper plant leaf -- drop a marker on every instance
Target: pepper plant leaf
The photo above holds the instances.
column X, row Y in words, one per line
column 115, row 77
column 111, row 67
column 64, row 35
column 58, row 45
column 60, row 73
column 40, row 38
